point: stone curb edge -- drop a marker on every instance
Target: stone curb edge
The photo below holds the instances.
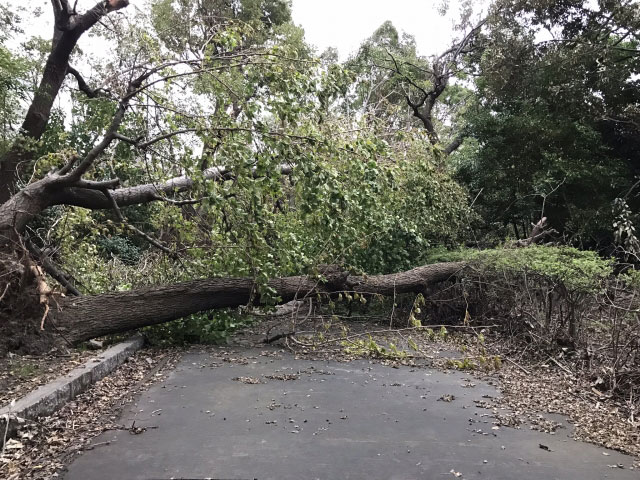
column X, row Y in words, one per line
column 48, row 398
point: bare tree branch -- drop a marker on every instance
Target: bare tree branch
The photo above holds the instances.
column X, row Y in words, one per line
column 86, row 163
column 61, row 14
column 143, row 145
column 50, row 268
column 91, row 17
column 139, row 194
column 82, row 84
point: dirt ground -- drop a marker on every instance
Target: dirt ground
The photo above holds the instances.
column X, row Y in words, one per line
column 20, row 374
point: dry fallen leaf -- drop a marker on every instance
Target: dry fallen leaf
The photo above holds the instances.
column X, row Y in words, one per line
column 13, row 445
column 45, row 446
column 248, row 380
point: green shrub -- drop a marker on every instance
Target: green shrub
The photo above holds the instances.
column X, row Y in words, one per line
column 206, row 328
column 121, row 247
column 576, row 270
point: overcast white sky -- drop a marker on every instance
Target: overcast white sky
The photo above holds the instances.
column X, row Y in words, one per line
column 343, row 24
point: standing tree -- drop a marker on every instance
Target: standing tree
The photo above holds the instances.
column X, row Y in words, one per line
column 392, row 80
column 556, row 121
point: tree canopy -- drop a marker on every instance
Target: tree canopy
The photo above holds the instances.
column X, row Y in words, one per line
column 556, row 119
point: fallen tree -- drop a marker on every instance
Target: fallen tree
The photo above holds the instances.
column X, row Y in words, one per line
column 91, row 316
column 42, row 317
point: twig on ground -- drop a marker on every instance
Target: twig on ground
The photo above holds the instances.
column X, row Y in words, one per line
column 99, row 444
column 5, row 291
column 517, row 365
column 561, row 366
column 7, row 418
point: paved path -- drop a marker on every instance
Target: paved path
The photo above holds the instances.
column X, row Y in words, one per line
column 335, row 421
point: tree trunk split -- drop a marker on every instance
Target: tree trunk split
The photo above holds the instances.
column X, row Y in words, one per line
column 83, row 318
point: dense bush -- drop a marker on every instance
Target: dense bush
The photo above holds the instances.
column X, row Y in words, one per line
column 548, row 289
column 555, row 299
column 120, row 247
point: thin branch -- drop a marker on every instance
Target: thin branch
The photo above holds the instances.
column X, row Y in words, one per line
column 545, row 195
column 414, row 84
column 125, row 139
column 517, row 365
column 69, row 165
column 634, row 52
column 83, row 86
column 143, row 145
column 173, row 76
column 159, row 138
column 428, row 98
column 626, row 195
column 457, row 48
column 468, row 37
column 144, row 235
column 6, row 288
column 97, row 150
column 53, row 271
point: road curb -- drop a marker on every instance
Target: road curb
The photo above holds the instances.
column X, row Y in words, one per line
column 50, row 397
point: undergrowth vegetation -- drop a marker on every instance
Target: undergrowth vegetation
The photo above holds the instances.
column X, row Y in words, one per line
column 552, row 301
column 540, row 303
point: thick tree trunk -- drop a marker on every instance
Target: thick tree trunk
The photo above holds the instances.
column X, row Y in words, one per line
column 21, row 208
column 82, row 318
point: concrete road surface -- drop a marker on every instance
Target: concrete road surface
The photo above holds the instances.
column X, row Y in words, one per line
column 328, row 420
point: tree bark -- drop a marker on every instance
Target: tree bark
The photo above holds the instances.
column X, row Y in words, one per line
column 21, row 208
column 139, row 194
column 52, row 190
column 82, row 318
